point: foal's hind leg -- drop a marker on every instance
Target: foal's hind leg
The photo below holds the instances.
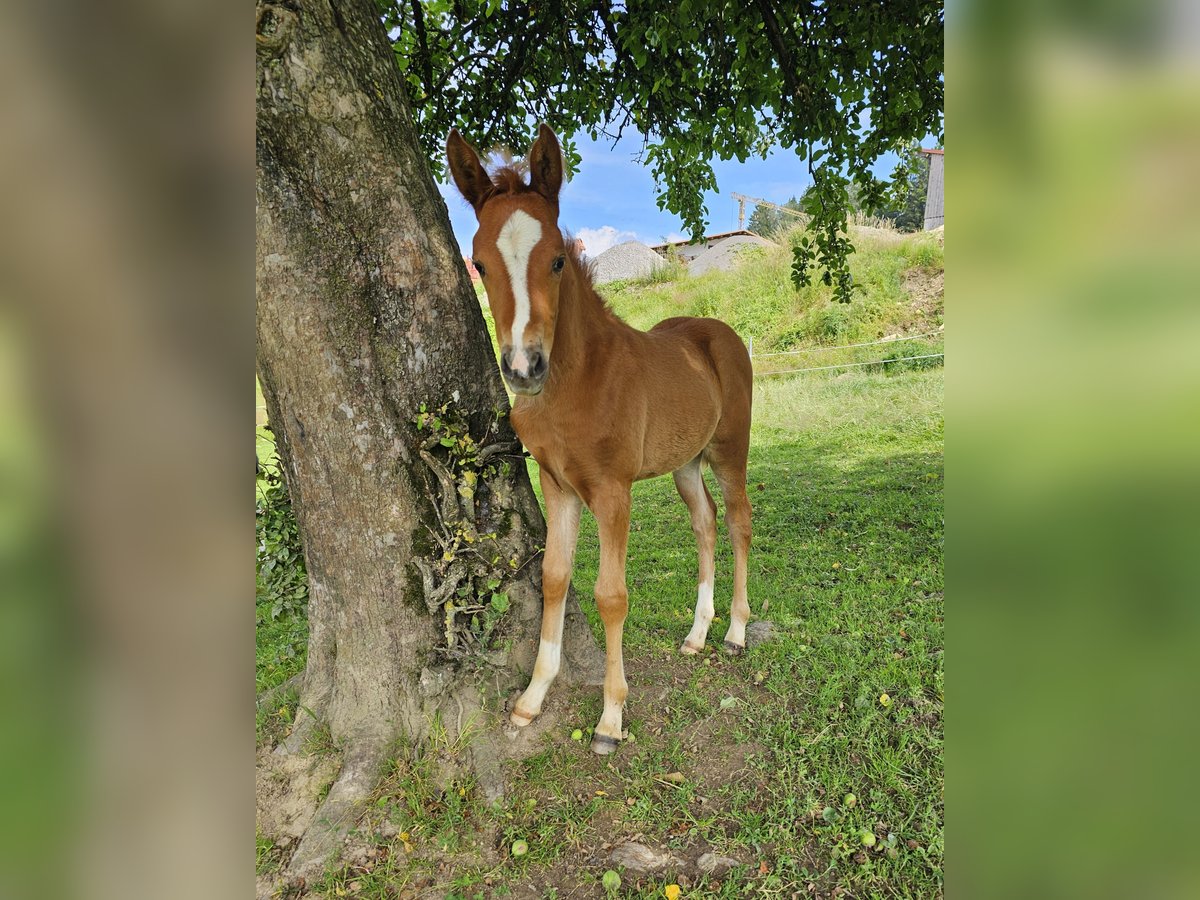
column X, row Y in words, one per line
column 689, row 481
column 731, row 473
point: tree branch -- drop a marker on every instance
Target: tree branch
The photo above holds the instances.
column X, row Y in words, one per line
column 782, row 55
column 423, row 40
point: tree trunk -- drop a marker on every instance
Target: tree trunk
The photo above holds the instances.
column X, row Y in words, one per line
column 367, row 318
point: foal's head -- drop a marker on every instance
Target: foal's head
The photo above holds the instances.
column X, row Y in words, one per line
column 519, row 252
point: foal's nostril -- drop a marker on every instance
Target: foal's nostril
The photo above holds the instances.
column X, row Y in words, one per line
column 537, row 364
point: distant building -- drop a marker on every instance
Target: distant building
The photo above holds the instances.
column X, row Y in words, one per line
column 935, row 197
column 471, row 268
column 687, row 251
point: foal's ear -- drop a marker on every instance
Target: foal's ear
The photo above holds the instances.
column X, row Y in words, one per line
column 468, row 172
column 546, row 165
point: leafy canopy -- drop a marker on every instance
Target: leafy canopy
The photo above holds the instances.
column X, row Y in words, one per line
column 840, row 81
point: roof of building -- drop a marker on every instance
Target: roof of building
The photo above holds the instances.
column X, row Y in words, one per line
column 707, row 237
column 938, row 152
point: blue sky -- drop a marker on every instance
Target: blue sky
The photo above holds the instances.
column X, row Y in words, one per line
column 612, row 198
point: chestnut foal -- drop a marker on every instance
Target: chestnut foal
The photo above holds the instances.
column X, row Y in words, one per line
column 601, row 405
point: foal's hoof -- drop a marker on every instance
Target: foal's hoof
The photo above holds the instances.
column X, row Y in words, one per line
column 602, row 744
column 520, row 719
column 689, row 649
column 734, row 649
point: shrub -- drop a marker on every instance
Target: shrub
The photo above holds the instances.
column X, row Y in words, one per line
column 894, row 361
column 281, row 583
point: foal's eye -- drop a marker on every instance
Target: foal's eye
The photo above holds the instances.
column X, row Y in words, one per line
column 558, row 264
column 478, row 267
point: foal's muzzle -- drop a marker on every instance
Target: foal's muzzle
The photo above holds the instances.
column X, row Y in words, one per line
column 525, row 371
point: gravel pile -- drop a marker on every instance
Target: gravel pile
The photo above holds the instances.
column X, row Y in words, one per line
column 724, row 256
column 633, row 259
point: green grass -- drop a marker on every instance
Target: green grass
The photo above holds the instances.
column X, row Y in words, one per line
column 273, row 720
column 266, row 855
column 846, row 481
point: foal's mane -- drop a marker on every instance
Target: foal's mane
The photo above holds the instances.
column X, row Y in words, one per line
column 510, row 178
column 587, row 273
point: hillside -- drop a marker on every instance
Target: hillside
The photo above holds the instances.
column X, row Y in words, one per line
column 899, row 291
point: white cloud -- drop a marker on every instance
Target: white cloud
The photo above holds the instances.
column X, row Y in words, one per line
column 597, row 240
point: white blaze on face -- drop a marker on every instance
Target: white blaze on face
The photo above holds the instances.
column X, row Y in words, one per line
column 518, row 237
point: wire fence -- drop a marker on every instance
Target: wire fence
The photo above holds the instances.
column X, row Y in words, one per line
column 857, row 364
column 896, row 339
column 261, row 411
column 871, row 362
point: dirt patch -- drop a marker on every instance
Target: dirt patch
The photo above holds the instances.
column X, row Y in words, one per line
column 926, row 289
column 287, row 791
column 711, row 758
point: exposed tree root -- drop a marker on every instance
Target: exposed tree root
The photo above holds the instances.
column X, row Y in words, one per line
column 338, row 812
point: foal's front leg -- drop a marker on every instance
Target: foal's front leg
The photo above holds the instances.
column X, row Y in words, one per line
column 562, row 530
column 611, row 509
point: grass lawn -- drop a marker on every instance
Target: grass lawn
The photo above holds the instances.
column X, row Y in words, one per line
column 751, row 758
column 846, row 481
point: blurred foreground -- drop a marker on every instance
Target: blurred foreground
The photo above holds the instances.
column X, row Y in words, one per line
column 126, row 329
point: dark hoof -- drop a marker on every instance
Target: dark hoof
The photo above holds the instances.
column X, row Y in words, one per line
column 603, row 745
column 734, row 649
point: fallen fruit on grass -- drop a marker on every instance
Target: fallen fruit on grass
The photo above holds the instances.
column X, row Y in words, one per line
column 671, row 891
column 850, row 801
column 520, row 848
column 611, row 880
column 577, row 734
column 885, row 701
column 868, row 838
column 892, row 853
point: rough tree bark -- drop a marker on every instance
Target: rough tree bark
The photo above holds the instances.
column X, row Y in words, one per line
column 366, row 313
